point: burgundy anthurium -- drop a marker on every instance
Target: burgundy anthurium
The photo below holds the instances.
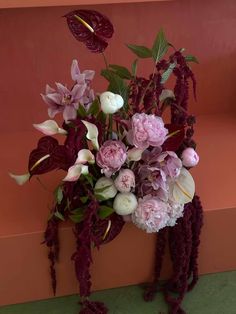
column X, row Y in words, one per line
column 48, row 156
column 176, row 138
column 90, row 27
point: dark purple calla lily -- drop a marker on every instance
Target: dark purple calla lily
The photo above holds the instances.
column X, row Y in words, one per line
column 90, row 27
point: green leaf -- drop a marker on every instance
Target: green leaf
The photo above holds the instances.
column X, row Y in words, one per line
column 121, row 71
column 102, row 117
column 59, row 215
column 102, row 189
column 140, row 51
column 167, row 73
column 58, row 194
column 100, row 197
column 89, row 178
column 77, row 215
column 84, row 199
column 105, row 211
column 191, row 58
column 160, row 46
column 94, row 108
column 134, row 67
column 81, row 111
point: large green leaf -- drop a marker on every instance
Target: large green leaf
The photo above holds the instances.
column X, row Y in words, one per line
column 77, row 215
column 121, row 71
column 94, row 108
column 140, row 51
column 105, row 211
column 160, row 46
column 81, row 111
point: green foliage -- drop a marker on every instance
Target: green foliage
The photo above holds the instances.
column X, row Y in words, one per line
column 81, row 111
column 59, row 215
column 94, row 108
column 134, row 67
column 167, row 73
column 105, row 211
column 121, row 71
column 84, row 199
column 78, row 215
column 89, row 178
column 58, row 193
column 160, row 46
column 140, row 51
column 190, row 58
column 117, row 85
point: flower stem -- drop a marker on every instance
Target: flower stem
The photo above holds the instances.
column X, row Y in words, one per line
column 110, row 125
column 105, row 60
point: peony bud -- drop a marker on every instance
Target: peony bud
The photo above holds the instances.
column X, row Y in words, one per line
column 49, row 127
column 110, row 103
column 105, row 187
column 125, row 203
column 84, row 156
column 134, row 154
column 125, row 180
column 189, row 157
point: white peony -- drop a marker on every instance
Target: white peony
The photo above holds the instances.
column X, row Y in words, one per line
column 125, row 203
column 105, row 187
column 111, row 103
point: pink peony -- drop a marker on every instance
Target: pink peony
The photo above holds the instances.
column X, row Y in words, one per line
column 111, row 156
column 171, row 164
column 175, row 211
column 189, row 157
column 147, row 130
column 125, row 180
column 151, row 214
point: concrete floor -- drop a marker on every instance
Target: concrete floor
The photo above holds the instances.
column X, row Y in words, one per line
column 214, row 294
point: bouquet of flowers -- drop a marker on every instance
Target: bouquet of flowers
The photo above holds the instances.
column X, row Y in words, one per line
column 122, row 162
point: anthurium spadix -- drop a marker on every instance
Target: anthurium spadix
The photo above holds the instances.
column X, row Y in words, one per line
column 49, row 127
column 92, row 133
column 75, row 171
column 183, row 188
column 20, row 179
column 84, row 156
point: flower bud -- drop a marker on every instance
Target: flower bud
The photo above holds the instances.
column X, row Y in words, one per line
column 111, row 103
column 125, row 203
column 189, row 157
column 125, row 180
column 105, row 187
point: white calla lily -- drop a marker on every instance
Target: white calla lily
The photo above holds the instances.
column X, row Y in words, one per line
column 134, row 154
column 84, row 156
column 92, row 133
column 110, row 102
column 20, row 179
column 49, row 127
column 183, row 188
column 75, row 171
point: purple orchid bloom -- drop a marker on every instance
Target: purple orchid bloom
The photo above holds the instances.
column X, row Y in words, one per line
column 64, row 100
column 84, row 77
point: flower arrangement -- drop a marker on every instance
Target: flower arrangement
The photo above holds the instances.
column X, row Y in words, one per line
column 122, row 162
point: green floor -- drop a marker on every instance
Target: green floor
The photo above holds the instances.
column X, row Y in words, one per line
column 214, row 294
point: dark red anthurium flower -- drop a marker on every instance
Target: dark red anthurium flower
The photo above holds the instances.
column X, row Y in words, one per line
column 48, row 155
column 176, row 139
column 90, row 27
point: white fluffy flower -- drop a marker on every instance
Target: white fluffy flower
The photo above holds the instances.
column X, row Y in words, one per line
column 175, row 211
column 125, row 203
column 105, row 187
column 111, row 103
